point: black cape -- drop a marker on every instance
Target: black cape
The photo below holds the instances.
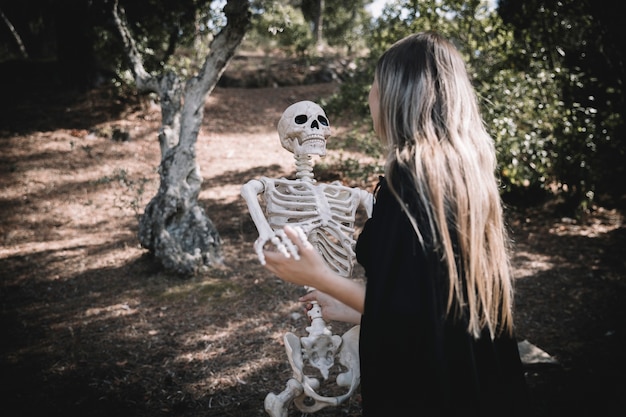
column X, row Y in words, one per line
column 414, row 359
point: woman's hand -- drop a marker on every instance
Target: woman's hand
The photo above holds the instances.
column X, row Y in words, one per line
column 309, row 268
column 332, row 309
column 304, row 267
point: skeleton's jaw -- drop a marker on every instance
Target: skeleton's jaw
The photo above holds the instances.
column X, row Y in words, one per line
column 309, row 145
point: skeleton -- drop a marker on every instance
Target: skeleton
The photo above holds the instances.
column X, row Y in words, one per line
column 324, row 214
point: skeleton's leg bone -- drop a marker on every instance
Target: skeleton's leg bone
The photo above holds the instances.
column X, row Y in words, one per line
column 278, row 405
column 319, row 401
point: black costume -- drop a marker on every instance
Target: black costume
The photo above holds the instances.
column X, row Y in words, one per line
column 404, row 331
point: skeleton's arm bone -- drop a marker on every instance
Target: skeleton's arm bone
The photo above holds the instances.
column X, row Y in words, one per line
column 250, row 192
column 367, row 201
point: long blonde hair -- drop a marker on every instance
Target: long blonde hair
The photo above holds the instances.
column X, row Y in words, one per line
column 430, row 121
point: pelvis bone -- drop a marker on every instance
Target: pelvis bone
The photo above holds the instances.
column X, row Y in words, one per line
column 301, row 388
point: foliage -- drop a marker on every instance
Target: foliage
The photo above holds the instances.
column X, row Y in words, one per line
column 171, row 35
column 556, row 118
column 580, row 44
column 168, row 34
column 519, row 105
column 277, row 25
column 286, row 25
column 345, row 24
column 349, row 169
column 483, row 41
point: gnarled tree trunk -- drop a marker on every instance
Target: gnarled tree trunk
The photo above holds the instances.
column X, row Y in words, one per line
column 173, row 226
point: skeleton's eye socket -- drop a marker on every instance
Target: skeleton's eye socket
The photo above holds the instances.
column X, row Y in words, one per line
column 323, row 120
column 301, row 119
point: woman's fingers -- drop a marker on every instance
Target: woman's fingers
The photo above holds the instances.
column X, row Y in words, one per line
column 309, row 297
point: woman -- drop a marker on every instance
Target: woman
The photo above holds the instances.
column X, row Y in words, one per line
column 437, row 335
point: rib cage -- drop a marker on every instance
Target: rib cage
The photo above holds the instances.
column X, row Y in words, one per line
column 326, row 212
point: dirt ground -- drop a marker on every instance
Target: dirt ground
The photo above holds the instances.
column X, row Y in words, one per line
column 92, row 326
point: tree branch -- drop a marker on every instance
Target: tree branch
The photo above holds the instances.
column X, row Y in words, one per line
column 222, row 48
column 16, row 36
column 145, row 81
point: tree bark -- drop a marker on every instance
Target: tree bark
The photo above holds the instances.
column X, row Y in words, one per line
column 173, row 226
column 319, row 26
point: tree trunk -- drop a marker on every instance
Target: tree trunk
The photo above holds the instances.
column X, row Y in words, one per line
column 318, row 25
column 173, row 226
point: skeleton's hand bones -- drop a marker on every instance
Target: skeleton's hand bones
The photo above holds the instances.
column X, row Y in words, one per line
column 281, row 242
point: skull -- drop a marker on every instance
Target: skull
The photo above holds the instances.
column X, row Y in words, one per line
column 304, row 128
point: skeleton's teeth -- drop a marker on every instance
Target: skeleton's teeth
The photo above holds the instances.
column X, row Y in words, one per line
column 313, row 137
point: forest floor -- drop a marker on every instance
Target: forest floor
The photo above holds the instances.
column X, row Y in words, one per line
column 92, row 326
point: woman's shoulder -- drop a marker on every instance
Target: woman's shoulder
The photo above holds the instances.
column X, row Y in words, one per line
column 379, row 185
column 387, row 199
column 382, row 191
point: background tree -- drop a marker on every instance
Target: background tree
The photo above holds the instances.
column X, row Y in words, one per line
column 313, row 11
column 279, row 25
column 478, row 33
column 173, row 226
column 311, row 26
column 346, row 25
column 49, row 31
column 86, row 52
column 580, row 46
column 550, row 82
